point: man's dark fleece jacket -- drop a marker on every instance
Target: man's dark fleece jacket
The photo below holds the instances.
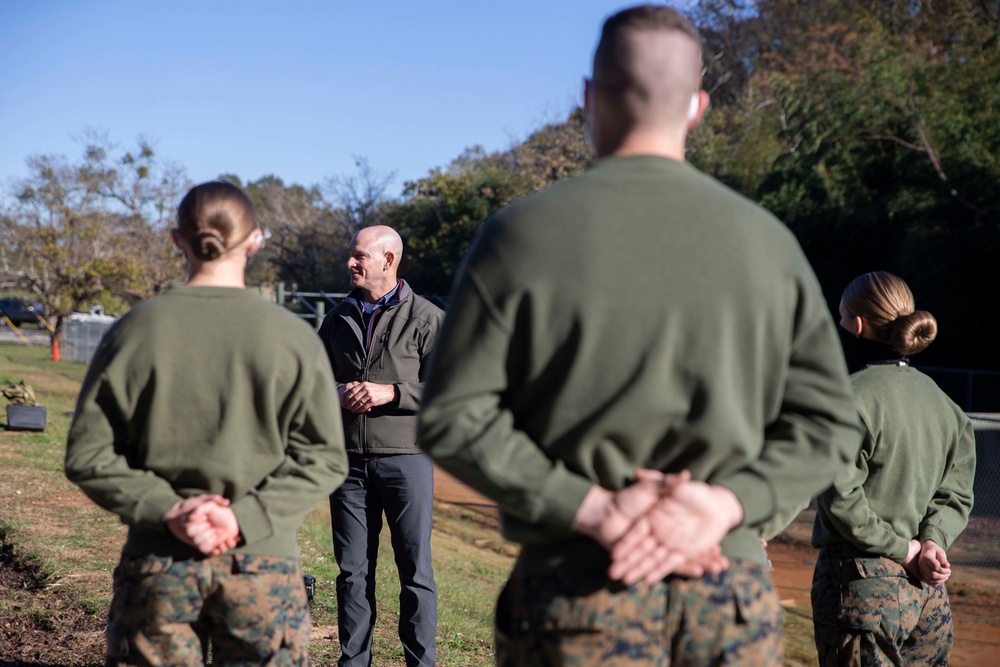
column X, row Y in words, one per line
column 393, row 349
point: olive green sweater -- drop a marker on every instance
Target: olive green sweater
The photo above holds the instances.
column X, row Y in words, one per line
column 913, row 476
column 641, row 315
column 208, row 390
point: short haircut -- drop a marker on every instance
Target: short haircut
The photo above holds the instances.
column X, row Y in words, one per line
column 647, row 66
column 610, row 68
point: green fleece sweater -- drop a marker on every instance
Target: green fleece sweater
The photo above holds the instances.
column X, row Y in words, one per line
column 913, row 476
column 641, row 315
column 208, row 390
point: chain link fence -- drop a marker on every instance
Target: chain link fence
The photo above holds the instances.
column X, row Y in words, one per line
column 979, row 546
column 975, row 555
column 973, row 390
column 313, row 306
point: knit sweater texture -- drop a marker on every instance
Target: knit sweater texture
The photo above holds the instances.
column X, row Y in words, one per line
column 913, row 476
column 641, row 315
column 208, row 390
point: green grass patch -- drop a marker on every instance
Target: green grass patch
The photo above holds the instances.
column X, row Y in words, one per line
column 74, row 544
column 468, row 579
column 800, row 649
column 72, row 548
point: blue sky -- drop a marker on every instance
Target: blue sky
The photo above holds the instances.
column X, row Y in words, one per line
column 295, row 89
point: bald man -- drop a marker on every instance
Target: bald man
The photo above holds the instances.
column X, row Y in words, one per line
column 638, row 365
column 379, row 340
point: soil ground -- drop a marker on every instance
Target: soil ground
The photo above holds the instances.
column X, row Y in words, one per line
column 974, row 591
column 55, row 631
column 59, row 632
column 977, row 635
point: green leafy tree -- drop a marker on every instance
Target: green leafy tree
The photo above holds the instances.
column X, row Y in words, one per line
column 441, row 213
column 304, row 235
column 93, row 231
column 867, row 127
column 311, row 228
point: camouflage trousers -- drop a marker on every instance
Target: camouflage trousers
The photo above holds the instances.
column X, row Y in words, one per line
column 577, row 620
column 253, row 608
column 867, row 611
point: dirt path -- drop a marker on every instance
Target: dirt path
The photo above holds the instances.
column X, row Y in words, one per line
column 977, row 637
column 450, row 490
column 977, row 614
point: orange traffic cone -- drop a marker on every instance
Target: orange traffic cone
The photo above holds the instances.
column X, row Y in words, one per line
column 55, row 351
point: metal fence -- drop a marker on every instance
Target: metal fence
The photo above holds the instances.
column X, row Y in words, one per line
column 310, row 306
column 979, row 545
column 313, row 306
column 975, row 554
column 972, row 390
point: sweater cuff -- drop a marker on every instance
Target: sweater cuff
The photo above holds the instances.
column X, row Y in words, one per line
column 935, row 535
column 252, row 519
column 561, row 498
column 755, row 495
column 899, row 550
column 152, row 508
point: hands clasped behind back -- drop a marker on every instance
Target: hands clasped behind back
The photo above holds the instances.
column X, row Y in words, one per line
column 932, row 563
column 927, row 561
column 205, row 522
column 662, row 524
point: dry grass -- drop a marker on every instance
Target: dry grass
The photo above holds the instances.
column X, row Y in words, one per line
column 69, row 547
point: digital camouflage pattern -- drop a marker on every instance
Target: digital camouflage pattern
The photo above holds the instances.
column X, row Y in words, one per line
column 580, row 620
column 868, row 611
column 253, row 607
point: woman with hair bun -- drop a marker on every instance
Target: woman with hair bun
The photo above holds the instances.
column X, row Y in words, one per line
column 878, row 591
column 207, row 422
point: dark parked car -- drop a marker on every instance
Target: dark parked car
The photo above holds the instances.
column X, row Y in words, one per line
column 20, row 311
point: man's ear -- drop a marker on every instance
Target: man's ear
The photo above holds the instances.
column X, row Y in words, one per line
column 698, row 107
column 390, row 260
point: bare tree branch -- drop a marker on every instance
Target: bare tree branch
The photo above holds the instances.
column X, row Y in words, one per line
column 895, row 140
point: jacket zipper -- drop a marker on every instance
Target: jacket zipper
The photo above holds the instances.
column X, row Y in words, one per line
column 369, row 339
column 366, row 348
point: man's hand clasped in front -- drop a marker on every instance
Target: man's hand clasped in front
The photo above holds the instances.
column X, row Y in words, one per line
column 361, row 397
column 662, row 524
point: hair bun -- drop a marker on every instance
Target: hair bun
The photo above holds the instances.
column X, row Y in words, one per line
column 214, row 217
column 912, row 333
column 208, row 244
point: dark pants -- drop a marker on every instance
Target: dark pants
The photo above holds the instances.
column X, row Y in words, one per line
column 867, row 611
column 402, row 487
column 731, row 619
